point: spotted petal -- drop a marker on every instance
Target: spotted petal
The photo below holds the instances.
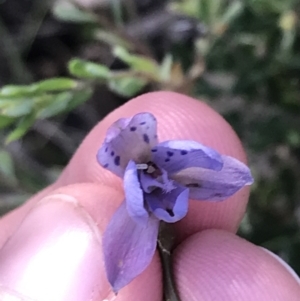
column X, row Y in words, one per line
column 175, row 155
column 205, row 184
column 128, row 139
column 169, row 207
column 134, row 194
column 128, row 247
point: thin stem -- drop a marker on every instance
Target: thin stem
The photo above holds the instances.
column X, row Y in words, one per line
column 117, row 12
column 165, row 243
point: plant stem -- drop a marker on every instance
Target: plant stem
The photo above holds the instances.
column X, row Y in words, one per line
column 165, row 244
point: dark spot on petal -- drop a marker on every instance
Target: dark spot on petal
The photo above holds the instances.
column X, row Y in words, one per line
column 105, row 165
column 133, row 128
column 147, row 127
column 218, row 194
column 106, row 149
column 112, row 153
column 144, row 122
column 146, row 138
column 183, row 152
column 167, row 160
column 117, row 160
column 155, row 137
column 170, row 211
column 154, row 150
column 193, row 185
column 170, row 153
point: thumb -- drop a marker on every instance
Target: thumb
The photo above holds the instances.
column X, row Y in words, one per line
column 56, row 252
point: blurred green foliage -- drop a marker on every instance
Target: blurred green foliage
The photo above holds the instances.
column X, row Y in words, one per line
column 246, row 64
column 23, row 105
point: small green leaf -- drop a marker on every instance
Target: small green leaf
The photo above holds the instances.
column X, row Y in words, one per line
column 111, row 39
column 232, row 12
column 136, row 62
column 187, row 7
column 22, row 128
column 18, row 91
column 17, row 108
column 166, row 67
column 79, row 97
column 85, row 69
column 56, row 84
column 48, row 85
column 68, row 11
column 6, row 121
column 7, row 169
column 7, row 101
column 57, row 104
column 127, row 86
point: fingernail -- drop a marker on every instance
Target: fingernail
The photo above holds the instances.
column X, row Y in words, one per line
column 284, row 264
column 55, row 255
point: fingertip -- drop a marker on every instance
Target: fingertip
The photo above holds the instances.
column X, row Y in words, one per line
column 217, row 265
column 57, row 249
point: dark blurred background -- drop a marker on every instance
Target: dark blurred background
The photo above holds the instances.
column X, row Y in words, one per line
column 241, row 57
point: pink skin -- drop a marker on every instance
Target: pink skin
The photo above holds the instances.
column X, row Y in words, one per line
column 54, row 251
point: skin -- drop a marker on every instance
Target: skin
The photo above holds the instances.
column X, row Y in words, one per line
column 210, row 261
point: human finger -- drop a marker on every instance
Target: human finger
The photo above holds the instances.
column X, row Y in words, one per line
column 217, row 265
column 56, row 252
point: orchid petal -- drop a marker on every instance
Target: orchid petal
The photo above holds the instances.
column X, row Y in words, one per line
column 128, row 247
column 175, row 155
column 128, row 139
column 134, row 194
column 213, row 185
column 169, row 207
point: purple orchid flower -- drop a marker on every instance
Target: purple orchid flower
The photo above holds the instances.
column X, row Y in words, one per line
column 159, row 179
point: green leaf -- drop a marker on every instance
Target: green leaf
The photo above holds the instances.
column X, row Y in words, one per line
column 79, row 97
column 48, row 85
column 7, row 169
column 111, row 39
column 136, row 62
column 17, row 108
column 232, row 12
column 166, row 67
column 56, row 84
column 127, row 86
column 187, row 7
column 56, row 105
column 85, row 69
column 215, row 10
column 18, row 91
column 204, row 10
column 6, row 121
column 117, row 10
column 22, row 128
column 68, row 11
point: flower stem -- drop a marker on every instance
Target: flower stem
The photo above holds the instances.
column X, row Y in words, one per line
column 164, row 244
